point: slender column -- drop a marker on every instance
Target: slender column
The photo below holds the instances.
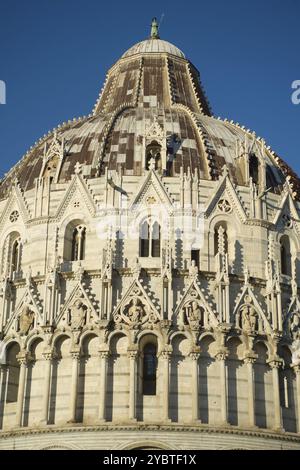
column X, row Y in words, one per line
column 3, row 387
column 249, row 361
column 297, row 372
column 103, row 380
column 165, row 362
column 275, row 365
column 48, row 356
column 23, row 361
column 195, row 385
column 221, row 357
column 132, row 354
column 74, row 385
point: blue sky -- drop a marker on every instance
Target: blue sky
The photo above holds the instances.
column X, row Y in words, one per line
column 54, row 55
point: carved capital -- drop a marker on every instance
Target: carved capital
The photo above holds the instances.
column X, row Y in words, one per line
column 276, row 362
column 250, row 360
column 296, row 368
column 132, row 353
column 75, row 354
column 166, row 354
column 221, row 354
column 24, row 358
column 103, row 351
column 194, row 356
column 49, row 355
column 250, row 357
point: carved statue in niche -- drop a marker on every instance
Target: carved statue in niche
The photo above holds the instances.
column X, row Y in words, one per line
column 153, row 154
column 135, row 311
column 295, row 326
column 296, row 352
column 26, row 320
column 78, row 314
column 193, row 314
column 249, row 318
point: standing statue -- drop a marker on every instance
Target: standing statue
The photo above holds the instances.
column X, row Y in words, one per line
column 26, row 320
column 249, row 318
column 295, row 327
column 78, row 314
column 136, row 311
column 195, row 313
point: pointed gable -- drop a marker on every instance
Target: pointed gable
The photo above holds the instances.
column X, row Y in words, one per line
column 226, row 191
column 135, row 308
column 77, row 191
column 152, row 191
column 193, row 293
column 247, row 297
column 78, row 293
column 17, row 204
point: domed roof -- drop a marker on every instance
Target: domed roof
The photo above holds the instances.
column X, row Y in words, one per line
column 144, row 93
column 155, row 46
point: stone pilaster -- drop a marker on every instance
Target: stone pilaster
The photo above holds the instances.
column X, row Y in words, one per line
column 103, row 381
column 48, row 357
column 165, row 358
column 74, row 385
column 250, row 360
column 3, row 387
column 275, row 365
column 23, row 359
column 221, row 358
column 132, row 355
column 296, row 369
column 195, row 355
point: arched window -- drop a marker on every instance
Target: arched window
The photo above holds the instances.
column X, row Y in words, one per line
column 150, row 236
column 13, row 369
column 149, row 369
column 144, row 239
column 78, row 243
column 16, row 255
column 12, row 254
column 220, row 239
column 285, row 256
column 155, row 240
column 51, row 168
column 253, row 168
column 153, row 152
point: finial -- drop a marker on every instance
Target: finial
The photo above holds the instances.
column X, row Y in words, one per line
column 154, row 29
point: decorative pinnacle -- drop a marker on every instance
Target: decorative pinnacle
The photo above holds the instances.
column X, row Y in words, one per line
column 154, row 29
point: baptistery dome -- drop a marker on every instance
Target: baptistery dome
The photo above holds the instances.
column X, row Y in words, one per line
column 150, row 275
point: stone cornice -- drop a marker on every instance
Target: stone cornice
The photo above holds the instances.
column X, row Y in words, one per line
column 201, row 428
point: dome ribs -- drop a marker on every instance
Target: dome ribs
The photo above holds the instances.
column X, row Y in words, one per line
column 151, row 79
column 153, row 87
column 199, row 92
column 290, row 175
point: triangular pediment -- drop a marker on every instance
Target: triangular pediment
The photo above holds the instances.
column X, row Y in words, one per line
column 225, row 199
column 155, row 131
column 16, row 204
column 247, row 299
column 287, row 215
column 152, row 192
column 31, row 300
column 187, row 306
column 76, row 198
column 135, row 308
column 77, row 294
